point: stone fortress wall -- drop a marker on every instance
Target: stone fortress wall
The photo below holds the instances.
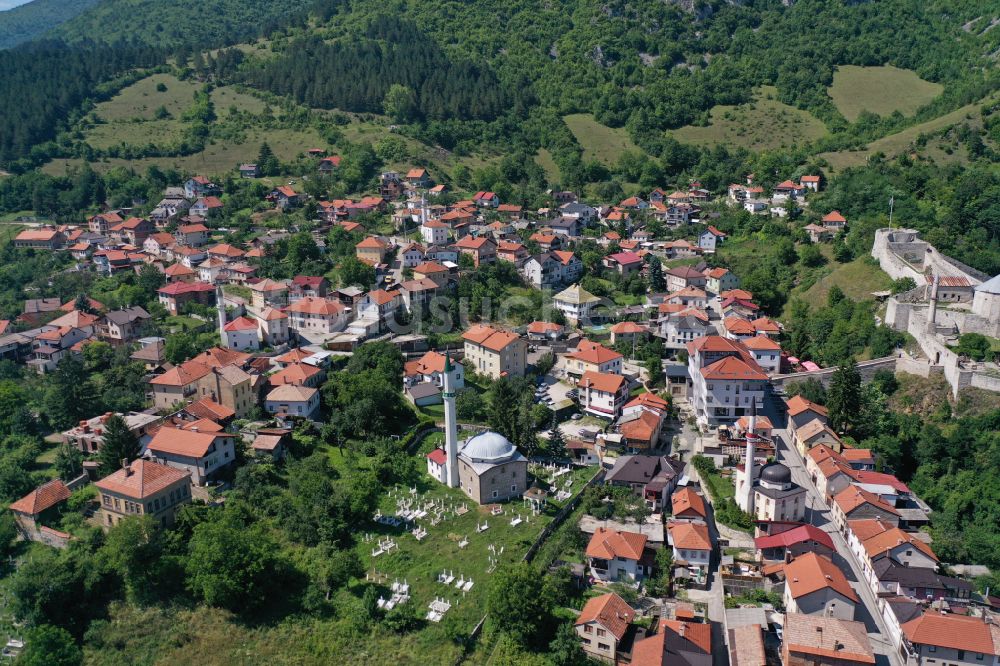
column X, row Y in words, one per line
column 901, row 253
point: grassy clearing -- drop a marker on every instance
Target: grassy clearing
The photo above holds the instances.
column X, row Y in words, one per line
column 894, row 144
column 880, row 90
column 217, row 158
column 544, row 160
column 600, row 142
column 228, row 96
column 141, row 99
column 8, row 231
column 857, row 278
column 158, row 132
column 763, row 124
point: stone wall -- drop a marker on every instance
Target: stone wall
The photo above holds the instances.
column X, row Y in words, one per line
column 866, row 369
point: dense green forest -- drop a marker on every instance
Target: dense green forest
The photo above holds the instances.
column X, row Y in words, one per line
column 394, row 67
column 33, row 19
column 181, row 22
column 45, row 86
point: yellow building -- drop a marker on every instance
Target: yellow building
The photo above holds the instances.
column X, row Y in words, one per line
column 494, row 352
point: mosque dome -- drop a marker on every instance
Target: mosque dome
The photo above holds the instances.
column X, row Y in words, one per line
column 776, row 474
column 488, row 447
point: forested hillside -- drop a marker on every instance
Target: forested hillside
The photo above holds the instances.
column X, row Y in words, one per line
column 181, row 22
column 33, row 19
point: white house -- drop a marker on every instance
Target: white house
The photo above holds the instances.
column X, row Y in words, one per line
column 576, row 303
column 434, row 232
column 617, row 556
column 201, row 448
column 602, row 395
column 726, row 380
column 816, row 586
column 293, row 401
column 692, row 547
column 317, row 315
column 241, row 334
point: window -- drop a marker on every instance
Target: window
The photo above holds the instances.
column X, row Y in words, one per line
column 587, row 629
column 932, row 648
column 961, row 654
column 602, row 632
column 107, row 501
column 495, row 493
column 603, row 646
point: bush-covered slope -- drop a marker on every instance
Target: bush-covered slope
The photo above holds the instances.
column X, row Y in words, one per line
column 33, row 19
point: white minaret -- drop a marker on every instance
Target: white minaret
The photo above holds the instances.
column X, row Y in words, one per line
column 450, row 426
column 220, row 306
column 745, row 500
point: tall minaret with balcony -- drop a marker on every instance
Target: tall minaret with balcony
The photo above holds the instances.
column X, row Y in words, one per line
column 450, row 425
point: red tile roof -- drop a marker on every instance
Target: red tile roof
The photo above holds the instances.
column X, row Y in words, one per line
column 797, row 404
column 189, row 443
column 318, row 306
column 794, row 536
column 489, row 337
column 144, row 478
column 610, row 611
column 686, row 502
column 607, row 544
column 41, row 498
column 206, row 408
column 438, row 456
column 733, row 369
column 690, row 536
column 601, row 381
column 851, row 497
column 810, row 573
column 957, row 632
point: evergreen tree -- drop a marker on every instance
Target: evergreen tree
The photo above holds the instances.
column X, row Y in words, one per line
column 69, row 462
column 82, row 304
column 656, row 280
column 71, row 396
column 844, row 396
column 120, row 444
column 557, row 443
column 267, row 162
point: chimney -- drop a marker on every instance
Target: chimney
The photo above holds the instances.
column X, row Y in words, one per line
column 682, row 630
column 128, row 470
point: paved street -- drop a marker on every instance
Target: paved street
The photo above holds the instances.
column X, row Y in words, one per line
column 846, row 560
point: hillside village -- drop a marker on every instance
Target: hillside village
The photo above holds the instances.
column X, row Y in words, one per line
column 733, row 520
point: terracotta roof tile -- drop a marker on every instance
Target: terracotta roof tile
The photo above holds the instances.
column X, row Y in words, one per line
column 610, row 611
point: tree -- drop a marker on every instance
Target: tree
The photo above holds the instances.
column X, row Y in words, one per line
column 516, row 605
column 267, row 162
column 844, row 396
column 655, row 271
column 69, row 462
column 903, row 284
column 557, row 443
column 230, row 565
column 46, row 645
column 119, row 444
column 564, row 650
column 810, row 255
column 468, row 405
column 71, row 396
column 179, row 348
column 400, row 103
column 811, row 389
column 353, row 271
column 132, row 549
